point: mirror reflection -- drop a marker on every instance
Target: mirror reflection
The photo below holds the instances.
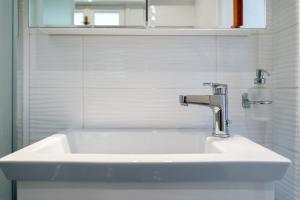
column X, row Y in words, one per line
column 129, row 13
column 204, row 14
column 193, row 14
column 87, row 13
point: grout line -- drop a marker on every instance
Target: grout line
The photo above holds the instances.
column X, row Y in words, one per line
column 14, row 34
column 118, row 88
column 83, row 82
column 217, row 57
column 285, row 88
column 283, row 29
column 26, row 82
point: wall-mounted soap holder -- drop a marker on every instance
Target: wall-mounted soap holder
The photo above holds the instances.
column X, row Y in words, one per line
column 246, row 102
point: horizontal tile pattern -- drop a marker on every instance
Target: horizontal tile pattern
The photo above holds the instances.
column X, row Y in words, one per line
column 146, row 53
column 242, row 123
column 237, row 54
column 285, row 54
column 285, row 120
column 285, row 123
column 265, row 52
column 55, row 61
column 54, row 109
column 148, row 80
column 126, row 81
column 237, row 61
column 288, row 188
column 183, row 54
column 286, row 140
column 149, row 62
column 153, row 108
column 285, row 14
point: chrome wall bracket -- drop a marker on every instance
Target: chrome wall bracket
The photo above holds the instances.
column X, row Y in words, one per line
column 246, row 102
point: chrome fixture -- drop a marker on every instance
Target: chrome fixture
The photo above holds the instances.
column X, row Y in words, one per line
column 246, row 103
column 260, row 77
column 259, row 84
column 218, row 102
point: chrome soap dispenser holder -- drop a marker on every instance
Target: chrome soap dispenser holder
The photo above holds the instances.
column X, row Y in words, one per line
column 259, row 80
column 246, row 103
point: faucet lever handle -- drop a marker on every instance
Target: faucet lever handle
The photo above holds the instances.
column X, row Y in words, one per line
column 218, row 88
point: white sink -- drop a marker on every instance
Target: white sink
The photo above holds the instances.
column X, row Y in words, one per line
column 143, row 155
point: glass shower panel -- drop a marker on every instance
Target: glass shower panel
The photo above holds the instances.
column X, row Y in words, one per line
column 6, row 35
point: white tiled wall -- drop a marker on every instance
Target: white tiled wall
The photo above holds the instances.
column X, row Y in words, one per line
column 123, row 81
column 135, row 81
column 285, row 124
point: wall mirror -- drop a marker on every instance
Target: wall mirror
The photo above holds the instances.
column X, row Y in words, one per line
column 110, row 13
column 87, row 13
column 206, row 14
column 191, row 14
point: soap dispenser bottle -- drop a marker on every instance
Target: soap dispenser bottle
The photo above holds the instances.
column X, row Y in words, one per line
column 259, row 94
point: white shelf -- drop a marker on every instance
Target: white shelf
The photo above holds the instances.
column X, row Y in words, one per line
column 150, row 31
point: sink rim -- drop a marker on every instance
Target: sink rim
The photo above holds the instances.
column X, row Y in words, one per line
column 235, row 149
column 235, row 163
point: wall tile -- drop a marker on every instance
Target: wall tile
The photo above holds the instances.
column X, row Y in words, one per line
column 146, row 53
column 285, row 14
column 55, row 61
column 149, row 62
column 265, row 52
column 130, row 81
column 242, row 123
column 285, row 58
column 138, row 108
column 237, row 61
column 115, row 53
column 54, row 109
column 285, row 121
column 148, row 80
column 288, row 188
column 135, row 81
column 182, row 54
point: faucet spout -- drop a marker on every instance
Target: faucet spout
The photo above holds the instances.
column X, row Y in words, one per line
column 219, row 105
column 195, row 99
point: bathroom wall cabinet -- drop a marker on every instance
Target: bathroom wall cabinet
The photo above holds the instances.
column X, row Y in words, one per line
column 147, row 17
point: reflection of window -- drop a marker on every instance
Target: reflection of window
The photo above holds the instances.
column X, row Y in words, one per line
column 78, row 18
column 107, row 18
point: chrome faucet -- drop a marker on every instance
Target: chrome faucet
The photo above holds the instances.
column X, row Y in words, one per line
column 218, row 102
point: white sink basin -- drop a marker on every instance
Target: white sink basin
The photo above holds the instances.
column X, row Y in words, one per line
column 143, row 155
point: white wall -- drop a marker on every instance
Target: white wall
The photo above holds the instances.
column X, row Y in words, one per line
column 123, row 81
column 131, row 81
column 285, row 132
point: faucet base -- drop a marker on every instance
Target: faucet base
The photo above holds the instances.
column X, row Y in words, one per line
column 221, row 135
